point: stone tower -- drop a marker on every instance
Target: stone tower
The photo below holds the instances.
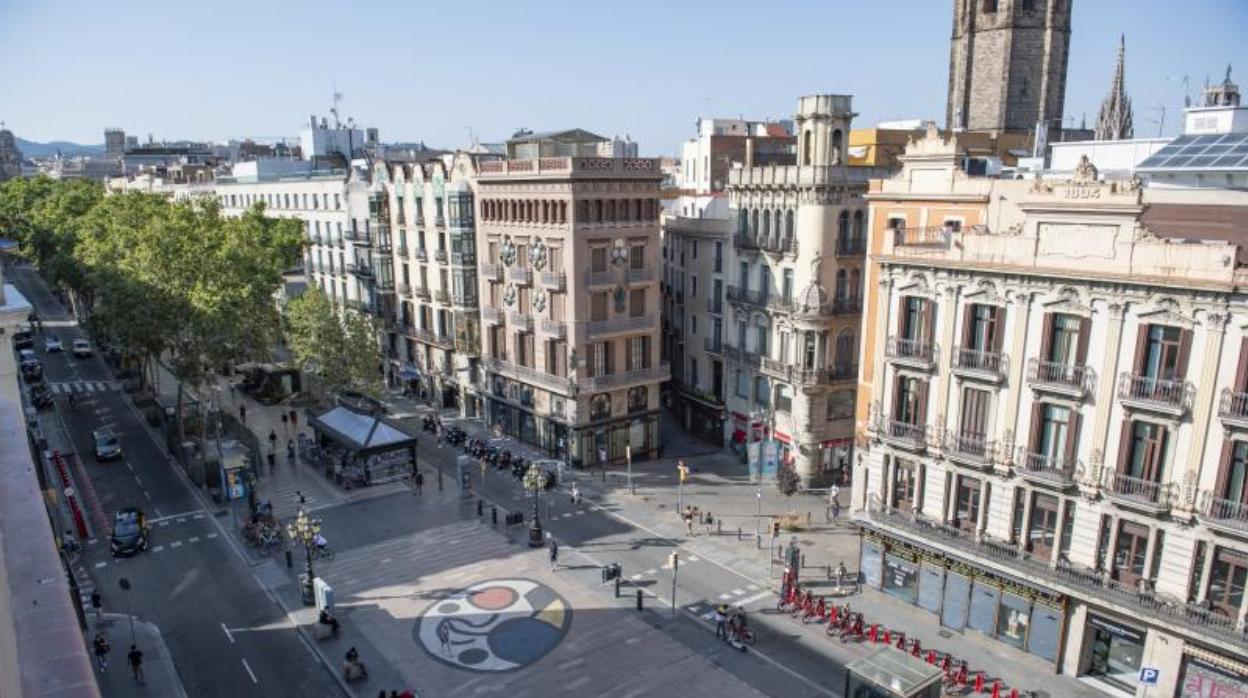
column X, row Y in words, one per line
column 1114, row 122
column 1007, row 64
column 822, row 124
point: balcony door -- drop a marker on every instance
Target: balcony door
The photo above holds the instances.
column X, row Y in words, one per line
column 1042, row 529
column 1130, row 553
column 966, row 506
column 1054, row 432
column 911, row 399
column 1227, row 580
column 975, row 405
column 904, row 485
column 1146, row 451
column 916, row 318
column 1232, row 485
column 982, row 332
column 1161, row 352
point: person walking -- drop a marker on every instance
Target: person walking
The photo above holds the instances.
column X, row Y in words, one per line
column 294, row 420
column 97, row 605
column 135, row 657
column 272, row 439
column 101, row 651
column 834, row 493
column 444, row 635
column 242, row 413
column 272, row 461
column 420, row 482
column 721, row 617
column 290, row 452
column 554, row 556
column 689, row 522
column 836, row 510
column 285, row 423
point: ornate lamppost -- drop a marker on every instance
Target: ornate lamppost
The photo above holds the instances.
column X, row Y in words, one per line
column 304, row 528
column 535, row 482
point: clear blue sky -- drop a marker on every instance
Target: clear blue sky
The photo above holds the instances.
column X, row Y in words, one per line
column 426, row 70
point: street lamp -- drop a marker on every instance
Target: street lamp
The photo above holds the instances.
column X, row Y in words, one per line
column 535, row 481
column 305, row 529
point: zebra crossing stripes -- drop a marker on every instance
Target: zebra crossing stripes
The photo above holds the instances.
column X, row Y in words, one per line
column 67, row 387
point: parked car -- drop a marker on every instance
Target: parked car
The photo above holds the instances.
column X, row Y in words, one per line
column 53, row 343
column 41, row 396
column 107, row 445
column 32, row 368
column 82, row 348
column 129, row 532
column 24, row 339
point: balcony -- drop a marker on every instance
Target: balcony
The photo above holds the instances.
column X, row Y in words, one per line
column 847, row 305
column 442, row 341
column 528, row 375
column 422, row 292
column 439, row 256
column 850, row 247
column 916, row 353
column 359, row 237
column 422, row 255
column 491, row 271
column 903, row 434
column 970, row 449
column 1233, row 408
column 555, row 328
column 1171, row 397
column 554, row 280
column 491, row 315
column 403, row 252
column 627, row 379
column 463, row 259
column 714, row 306
column 987, row 365
column 442, row 296
column 520, row 321
column 602, row 278
column 1227, row 515
column 405, row 289
column 937, row 236
column 363, row 271
column 774, row 244
column 1069, row 380
column 637, row 276
column 1063, row 578
column 384, row 284
column 362, row 307
column 466, row 300
column 740, row 356
column 622, row 324
column 712, row 345
column 1138, row 493
column 1051, row 471
column 520, row 275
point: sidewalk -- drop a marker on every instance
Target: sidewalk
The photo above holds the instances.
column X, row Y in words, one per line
column 160, row 674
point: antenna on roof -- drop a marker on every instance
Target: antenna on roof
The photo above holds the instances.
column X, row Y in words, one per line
column 336, row 99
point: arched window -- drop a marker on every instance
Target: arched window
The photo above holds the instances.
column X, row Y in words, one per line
column 846, row 352
column 743, row 222
column 860, row 230
column 788, row 224
column 842, row 284
column 638, row 399
column 836, row 147
column 778, row 227
column 600, row 406
column 754, row 223
column 842, row 230
column 806, row 148
column 766, row 231
column 809, row 357
column 855, row 283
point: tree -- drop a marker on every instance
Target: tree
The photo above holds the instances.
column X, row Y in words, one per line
column 787, row 480
column 340, row 348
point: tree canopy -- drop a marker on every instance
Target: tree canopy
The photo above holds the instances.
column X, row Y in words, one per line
column 341, row 349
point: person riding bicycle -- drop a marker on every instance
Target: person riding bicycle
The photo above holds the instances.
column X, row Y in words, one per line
column 320, row 542
column 327, row 619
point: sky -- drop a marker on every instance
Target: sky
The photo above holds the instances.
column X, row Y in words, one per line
column 436, row 72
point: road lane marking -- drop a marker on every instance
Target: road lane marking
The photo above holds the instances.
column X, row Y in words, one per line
column 738, row 592
column 145, row 494
column 181, row 517
column 227, row 633
column 211, row 535
column 158, row 548
column 752, row 587
column 693, row 558
column 162, row 523
column 651, row 571
column 250, row 672
column 635, row 577
column 751, row 599
column 197, row 517
column 725, row 597
column 176, row 544
column 193, row 539
column 98, row 565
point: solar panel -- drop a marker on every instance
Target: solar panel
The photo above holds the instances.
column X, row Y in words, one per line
column 1228, row 160
column 1204, row 151
column 1202, row 161
column 1183, row 139
column 1178, row 161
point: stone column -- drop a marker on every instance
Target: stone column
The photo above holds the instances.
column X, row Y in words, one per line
column 1113, row 543
column 1108, row 379
column 948, row 312
column 1206, row 569
column 890, row 466
column 1202, row 408
column 1059, row 531
column 884, row 320
column 1023, row 536
column 1018, row 351
column 981, row 519
column 920, row 485
column 951, row 495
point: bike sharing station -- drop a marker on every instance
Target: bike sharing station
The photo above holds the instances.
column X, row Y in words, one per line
column 363, row 449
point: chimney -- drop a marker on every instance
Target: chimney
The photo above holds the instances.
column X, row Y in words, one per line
column 749, row 152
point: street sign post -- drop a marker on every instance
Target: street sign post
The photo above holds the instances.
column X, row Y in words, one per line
column 682, row 472
column 1149, row 676
column 628, row 456
column 673, row 561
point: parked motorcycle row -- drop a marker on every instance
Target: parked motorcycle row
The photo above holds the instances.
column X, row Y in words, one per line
column 500, row 459
column 848, row 625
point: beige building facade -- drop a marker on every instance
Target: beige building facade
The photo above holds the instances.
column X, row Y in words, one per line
column 569, row 295
column 1052, row 420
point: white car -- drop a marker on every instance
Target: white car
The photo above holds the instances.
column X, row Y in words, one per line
column 82, row 348
column 53, row 343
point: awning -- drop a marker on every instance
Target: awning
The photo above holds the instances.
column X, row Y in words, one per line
column 360, row 432
column 738, row 436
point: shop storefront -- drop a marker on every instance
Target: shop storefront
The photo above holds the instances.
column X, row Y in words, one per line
column 1207, row 675
column 702, row 418
column 964, row 597
column 1116, row 650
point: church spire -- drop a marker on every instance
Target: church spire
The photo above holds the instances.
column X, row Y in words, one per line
column 1114, row 121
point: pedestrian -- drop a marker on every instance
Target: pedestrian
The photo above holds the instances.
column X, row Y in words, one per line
column 720, row 618
column 290, row 451
column 836, row 510
column 709, row 521
column 689, row 523
column 554, row 556
column 300, row 496
column 833, row 502
column 242, row 413
column 136, row 662
column 285, row 422
column 444, row 635
column 294, row 420
column 97, row 604
column 420, row 482
column 602, row 456
column 272, row 439
column 272, row 462
column 575, row 495
column 101, row 649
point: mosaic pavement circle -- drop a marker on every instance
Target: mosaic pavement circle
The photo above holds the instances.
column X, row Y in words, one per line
column 494, row 625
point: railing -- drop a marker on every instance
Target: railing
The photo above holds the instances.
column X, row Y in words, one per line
column 555, row 328
column 442, row 296
column 385, row 283
column 1064, row 577
column 1233, row 405
column 929, row 236
column 771, row 243
column 405, row 289
column 913, row 435
column 491, row 271
column 1157, row 392
column 920, row 350
column 554, row 280
column 529, row 375
column 620, row 380
column 1055, row 468
column 1060, row 375
column 439, row 255
column 520, row 275
column 1224, row 511
column 846, row 305
column 601, row 278
column 403, row 252
column 461, row 259
column 970, row 447
column 422, row 292
column 363, row 270
column 992, row 362
column 850, row 247
column 422, row 254
column 640, row 275
column 1138, row 489
column 713, row 345
column 359, row 237
column 468, row 300
column 741, row 356
column 624, row 324
column 491, row 314
column 714, row 306
column 521, row 321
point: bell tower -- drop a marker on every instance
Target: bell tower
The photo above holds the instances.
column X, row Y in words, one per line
column 822, row 123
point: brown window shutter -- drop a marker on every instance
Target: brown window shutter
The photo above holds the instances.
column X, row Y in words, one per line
column 998, row 329
column 1037, row 413
column 1081, row 351
column 1141, row 348
column 1241, row 367
column 901, row 317
column 1046, row 338
column 1185, row 351
column 1072, row 438
column 1224, row 467
column 929, row 319
column 1124, row 446
column 921, row 391
column 1157, row 459
column 968, row 325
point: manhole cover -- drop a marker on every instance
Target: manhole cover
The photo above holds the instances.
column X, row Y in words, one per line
column 945, row 634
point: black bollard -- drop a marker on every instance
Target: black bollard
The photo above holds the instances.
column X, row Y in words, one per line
column 494, row 514
column 639, row 599
column 289, row 560
column 480, row 508
column 738, row 533
column 719, row 527
column 617, row 587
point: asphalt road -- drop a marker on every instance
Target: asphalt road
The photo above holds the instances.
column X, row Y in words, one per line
column 225, row 633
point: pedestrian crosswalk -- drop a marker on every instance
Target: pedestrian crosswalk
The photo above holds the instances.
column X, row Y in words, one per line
column 67, row 387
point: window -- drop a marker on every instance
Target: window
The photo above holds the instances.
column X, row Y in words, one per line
column 1054, row 435
column 1227, row 580
column 761, row 333
column 524, row 349
column 1145, row 457
column 762, row 391
column 1130, row 552
column 557, row 358
column 764, row 281
column 599, row 359
column 743, row 384
column 788, row 224
column 982, row 333
column 636, row 302
column 1162, row 352
column 1065, row 339
column 1042, row 530
column 975, row 404
column 637, row 257
column 638, row 399
column 990, row 5
column 693, row 286
column 693, row 324
column 693, row 249
column 905, row 484
column 784, row 398
column 916, row 318
column 809, row 352
column 786, row 286
column 719, row 257
column 598, row 306
column 741, row 334
column 1232, row 487
column 597, row 259
column 693, row 372
column 743, row 276
column 966, row 504
column 600, row 406
column 637, row 353
column 911, row 400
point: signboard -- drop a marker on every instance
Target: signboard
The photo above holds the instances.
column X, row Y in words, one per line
column 771, row 457
column 1202, row 679
column 900, row 578
column 1149, row 675
column 1116, row 630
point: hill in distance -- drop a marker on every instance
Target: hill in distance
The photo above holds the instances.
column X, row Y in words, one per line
column 32, row 149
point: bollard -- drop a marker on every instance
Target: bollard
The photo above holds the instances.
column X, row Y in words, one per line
column 719, row 527
column 639, row 599
column 738, row 533
column 493, row 514
column 439, row 479
column 480, row 508
column 289, row 560
column 617, row 587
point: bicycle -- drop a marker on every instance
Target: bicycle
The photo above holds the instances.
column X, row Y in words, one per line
column 323, row 552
